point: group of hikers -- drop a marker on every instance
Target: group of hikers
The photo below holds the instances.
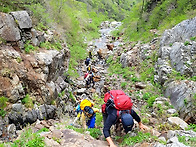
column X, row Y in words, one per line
column 116, row 110
column 89, row 76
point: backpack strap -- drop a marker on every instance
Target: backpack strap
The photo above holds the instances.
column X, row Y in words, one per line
column 112, row 98
column 119, row 113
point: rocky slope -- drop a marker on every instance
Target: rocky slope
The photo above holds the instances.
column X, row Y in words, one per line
column 41, row 75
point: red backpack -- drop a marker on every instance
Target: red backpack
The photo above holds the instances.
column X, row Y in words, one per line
column 120, row 101
column 86, row 74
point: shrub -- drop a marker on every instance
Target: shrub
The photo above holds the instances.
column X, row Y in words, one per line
column 29, row 47
column 3, row 104
column 192, row 127
column 146, row 95
column 193, row 38
column 151, row 100
column 27, row 101
column 186, row 43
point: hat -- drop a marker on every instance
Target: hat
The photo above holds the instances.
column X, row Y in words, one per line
column 127, row 121
column 88, row 111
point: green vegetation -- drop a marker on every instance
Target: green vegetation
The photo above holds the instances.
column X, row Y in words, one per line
column 116, row 68
column 141, row 137
column 158, row 15
column 28, row 139
column 3, row 104
column 27, row 101
column 193, row 38
column 95, row 133
column 29, row 47
column 186, row 43
column 189, row 141
column 43, row 130
column 72, row 97
column 192, row 127
column 166, row 127
column 47, row 45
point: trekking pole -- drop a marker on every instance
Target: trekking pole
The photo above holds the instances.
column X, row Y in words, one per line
column 77, row 117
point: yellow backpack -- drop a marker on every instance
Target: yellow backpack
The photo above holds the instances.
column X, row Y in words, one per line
column 85, row 103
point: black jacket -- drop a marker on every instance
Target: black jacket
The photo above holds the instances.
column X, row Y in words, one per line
column 111, row 119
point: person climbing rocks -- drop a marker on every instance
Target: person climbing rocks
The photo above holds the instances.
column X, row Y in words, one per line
column 89, row 79
column 90, row 54
column 89, row 68
column 87, row 61
column 113, row 115
column 88, row 116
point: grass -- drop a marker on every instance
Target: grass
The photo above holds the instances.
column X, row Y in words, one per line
column 132, row 140
column 95, row 133
column 27, row 139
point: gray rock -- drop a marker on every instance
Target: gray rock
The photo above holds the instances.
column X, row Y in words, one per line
column 8, row 28
column 23, row 19
column 178, row 121
column 171, row 111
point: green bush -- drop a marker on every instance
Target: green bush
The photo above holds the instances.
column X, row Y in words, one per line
column 3, row 104
column 27, row 101
column 29, row 47
column 192, row 127
column 151, row 100
column 147, row 95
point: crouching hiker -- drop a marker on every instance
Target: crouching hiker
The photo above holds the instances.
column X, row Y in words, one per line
column 88, row 114
column 118, row 109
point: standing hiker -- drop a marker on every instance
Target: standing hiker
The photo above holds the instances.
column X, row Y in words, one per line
column 87, row 61
column 118, row 109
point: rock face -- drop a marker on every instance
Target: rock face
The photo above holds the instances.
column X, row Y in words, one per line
column 177, row 54
column 39, row 74
column 177, row 51
column 182, row 98
column 35, row 72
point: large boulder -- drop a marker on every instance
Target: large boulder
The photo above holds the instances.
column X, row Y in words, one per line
column 22, row 18
column 182, row 96
column 9, row 30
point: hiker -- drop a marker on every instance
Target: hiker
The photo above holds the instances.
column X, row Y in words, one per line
column 115, row 100
column 89, row 68
column 89, row 79
column 90, row 54
column 88, row 114
column 87, row 61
